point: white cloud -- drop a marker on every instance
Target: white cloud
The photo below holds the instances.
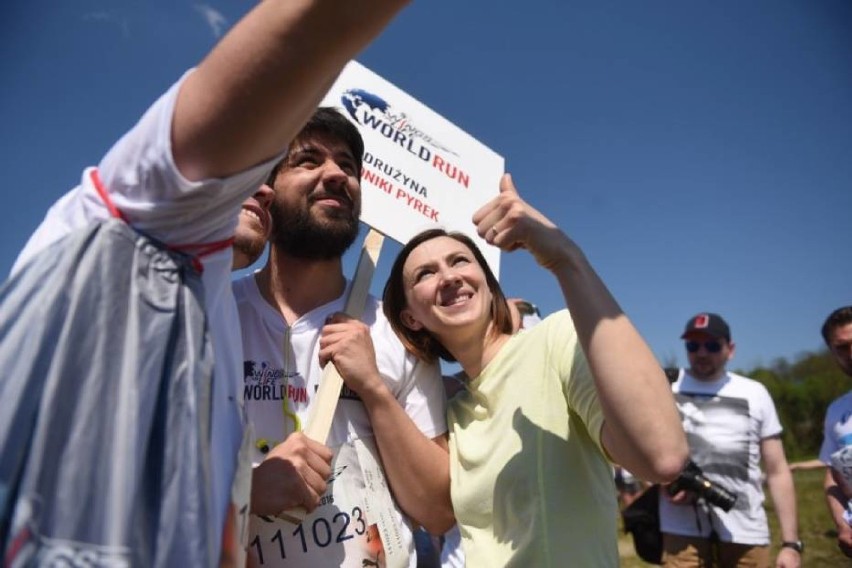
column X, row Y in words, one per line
column 213, row 18
column 106, row 17
column 96, row 16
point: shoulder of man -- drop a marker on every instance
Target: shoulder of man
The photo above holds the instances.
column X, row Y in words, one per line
column 841, row 403
column 742, row 381
column 384, row 337
column 244, row 287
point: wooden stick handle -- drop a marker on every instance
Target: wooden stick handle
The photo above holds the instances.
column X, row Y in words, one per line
column 322, row 412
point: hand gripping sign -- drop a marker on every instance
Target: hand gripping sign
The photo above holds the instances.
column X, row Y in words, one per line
column 419, row 171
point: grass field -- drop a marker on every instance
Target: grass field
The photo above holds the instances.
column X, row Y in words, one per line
column 815, row 527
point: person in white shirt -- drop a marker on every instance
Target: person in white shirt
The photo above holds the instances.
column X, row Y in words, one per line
column 731, row 425
column 836, row 450
column 181, row 174
column 392, row 406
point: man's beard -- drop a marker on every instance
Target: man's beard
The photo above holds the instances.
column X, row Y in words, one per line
column 296, row 233
column 251, row 248
column 704, row 369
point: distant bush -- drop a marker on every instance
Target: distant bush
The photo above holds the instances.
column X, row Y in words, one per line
column 802, row 391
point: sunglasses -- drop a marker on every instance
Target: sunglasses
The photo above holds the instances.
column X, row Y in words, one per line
column 526, row 308
column 710, row 346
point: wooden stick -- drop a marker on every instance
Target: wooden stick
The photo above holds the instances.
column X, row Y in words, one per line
column 322, row 412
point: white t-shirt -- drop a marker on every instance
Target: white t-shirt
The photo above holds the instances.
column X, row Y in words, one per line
column 836, row 449
column 141, row 177
column 280, row 380
column 724, row 421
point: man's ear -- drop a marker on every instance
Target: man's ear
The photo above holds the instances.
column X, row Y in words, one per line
column 731, row 349
column 409, row 321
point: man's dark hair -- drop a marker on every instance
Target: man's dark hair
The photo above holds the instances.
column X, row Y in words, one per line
column 327, row 121
column 837, row 318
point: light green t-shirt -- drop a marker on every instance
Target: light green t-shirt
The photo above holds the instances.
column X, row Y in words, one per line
column 530, row 483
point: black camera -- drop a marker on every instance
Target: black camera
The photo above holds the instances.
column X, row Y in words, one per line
column 672, row 373
column 692, row 479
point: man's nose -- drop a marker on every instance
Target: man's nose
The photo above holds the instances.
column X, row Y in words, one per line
column 333, row 173
column 264, row 196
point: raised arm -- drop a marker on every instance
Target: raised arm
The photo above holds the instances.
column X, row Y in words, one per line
column 642, row 429
column 258, row 86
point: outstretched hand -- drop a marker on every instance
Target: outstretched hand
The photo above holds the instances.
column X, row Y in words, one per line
column 510, row 223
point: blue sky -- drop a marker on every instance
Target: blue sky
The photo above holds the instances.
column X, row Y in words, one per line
column 699, row 152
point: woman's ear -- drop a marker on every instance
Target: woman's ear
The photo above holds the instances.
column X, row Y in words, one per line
column 410, row 321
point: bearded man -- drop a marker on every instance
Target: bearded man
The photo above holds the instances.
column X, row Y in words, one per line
column 391, row 407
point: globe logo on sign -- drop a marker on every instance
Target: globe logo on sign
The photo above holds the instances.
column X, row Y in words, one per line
column 353, row 99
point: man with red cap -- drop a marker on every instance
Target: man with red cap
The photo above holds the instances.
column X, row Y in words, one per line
column 731, row 424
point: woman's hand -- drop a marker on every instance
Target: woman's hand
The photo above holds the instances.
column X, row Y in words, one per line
column 510, row 223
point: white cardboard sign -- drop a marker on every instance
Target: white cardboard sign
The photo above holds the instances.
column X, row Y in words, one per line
column 420, row 171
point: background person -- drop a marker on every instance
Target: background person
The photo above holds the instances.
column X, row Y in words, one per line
column 527, row 314
column 836, row 450
column 530, row 433
column 731, row 424
column 628, row 486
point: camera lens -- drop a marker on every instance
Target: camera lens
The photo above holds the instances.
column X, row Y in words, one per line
column 692, row 479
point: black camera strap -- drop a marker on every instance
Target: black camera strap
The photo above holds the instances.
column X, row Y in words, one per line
column 708, row 510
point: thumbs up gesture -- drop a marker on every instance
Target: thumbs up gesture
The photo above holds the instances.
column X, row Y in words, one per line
column 510, row 223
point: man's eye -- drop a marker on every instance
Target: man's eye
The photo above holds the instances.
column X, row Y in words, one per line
column 303, row 160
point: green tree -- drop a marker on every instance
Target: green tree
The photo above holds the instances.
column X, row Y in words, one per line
column 802, row 391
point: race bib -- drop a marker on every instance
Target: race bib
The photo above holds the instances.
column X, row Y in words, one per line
column 357, row 524
column 237, row 523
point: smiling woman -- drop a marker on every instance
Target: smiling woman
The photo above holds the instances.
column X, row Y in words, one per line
column 431, row 312
column 542, row 410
